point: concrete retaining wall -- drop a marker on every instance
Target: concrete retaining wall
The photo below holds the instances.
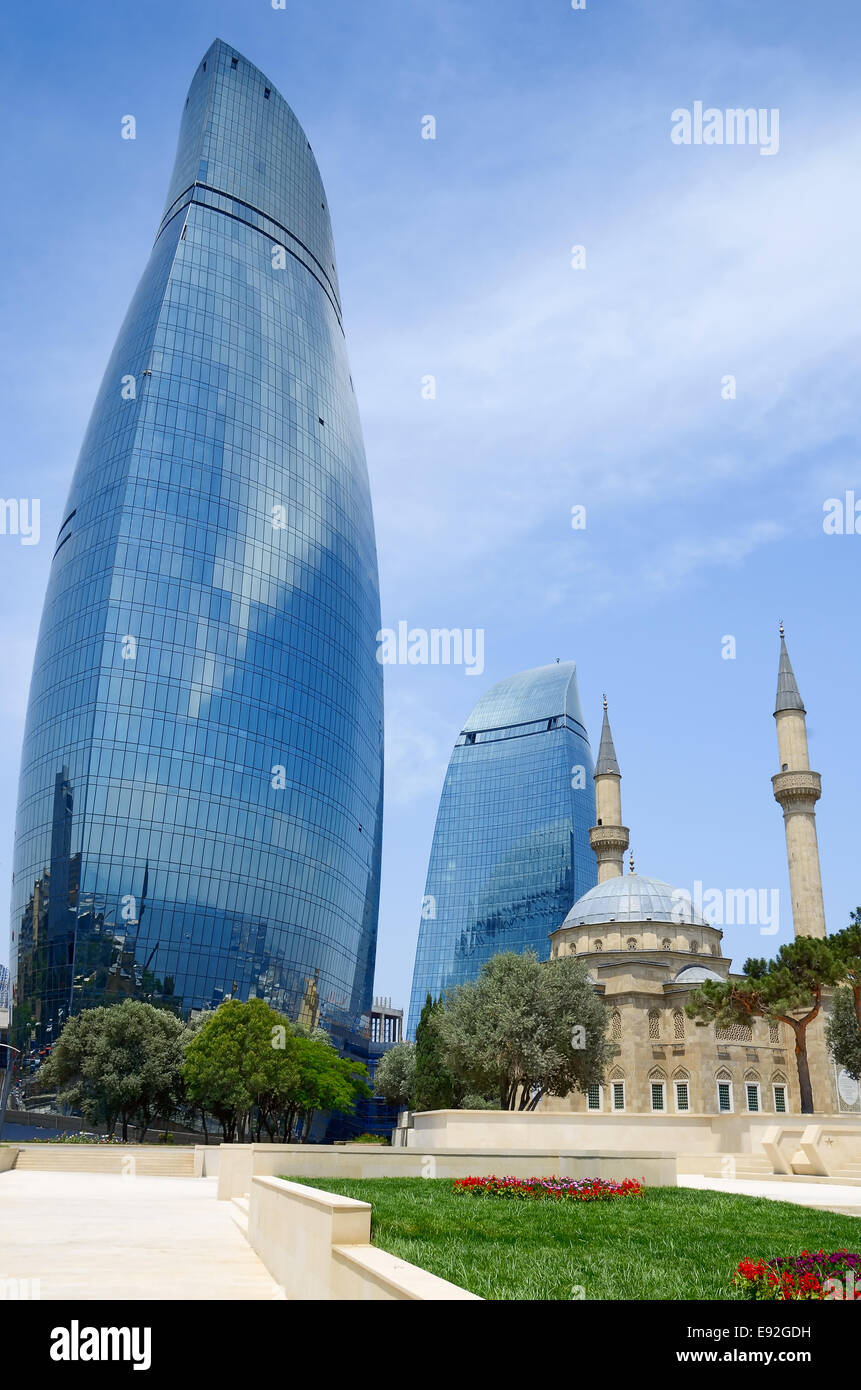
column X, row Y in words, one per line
column 207, row 1161
column 8, row 1155
column 500, row 1130
column 242, row 1162
column 316, row 1245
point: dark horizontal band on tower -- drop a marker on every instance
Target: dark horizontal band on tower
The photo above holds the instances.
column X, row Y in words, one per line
column 548, row 724
column 178, row 206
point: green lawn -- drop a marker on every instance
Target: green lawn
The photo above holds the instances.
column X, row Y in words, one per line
column 669, row 1243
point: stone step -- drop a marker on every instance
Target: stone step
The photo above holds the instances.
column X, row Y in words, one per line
column 712, row 1165
column 143, row 1161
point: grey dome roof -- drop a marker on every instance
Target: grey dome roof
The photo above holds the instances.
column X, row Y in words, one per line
column 634, row 898
column 695, row 974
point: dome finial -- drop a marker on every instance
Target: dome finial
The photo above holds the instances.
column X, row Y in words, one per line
column 605, row 704
column 782, row 629
column 631, row 860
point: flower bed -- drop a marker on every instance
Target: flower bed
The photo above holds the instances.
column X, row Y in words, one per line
column 78, row 1138
column 571, row 1189
column 810, row 1275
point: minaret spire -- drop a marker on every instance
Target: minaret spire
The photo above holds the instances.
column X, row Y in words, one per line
column 609, row 838
column 797, row 790
column 788, row 694
column 606, row 752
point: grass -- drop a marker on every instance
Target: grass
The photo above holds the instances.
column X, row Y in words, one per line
column 671, row 1243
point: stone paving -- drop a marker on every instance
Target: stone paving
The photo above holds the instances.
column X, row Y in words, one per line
column 105, row 1236
column 824, row 1196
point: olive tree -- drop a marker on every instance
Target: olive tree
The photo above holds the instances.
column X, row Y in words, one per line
column 525, row 1029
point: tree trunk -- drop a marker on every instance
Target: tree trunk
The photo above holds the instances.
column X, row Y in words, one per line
column 125, row 1128
column 803, row 1070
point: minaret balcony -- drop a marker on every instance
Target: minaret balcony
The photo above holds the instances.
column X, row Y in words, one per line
column 613, row 838
column 792, row 789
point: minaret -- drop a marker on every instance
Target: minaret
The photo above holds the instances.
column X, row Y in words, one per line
column 609, row 838
column 797, row 790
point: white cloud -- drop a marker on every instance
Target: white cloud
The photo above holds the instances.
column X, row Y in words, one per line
column 603, row 386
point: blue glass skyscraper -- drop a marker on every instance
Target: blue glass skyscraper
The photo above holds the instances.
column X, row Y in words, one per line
column 511, row 849
column 201, row 785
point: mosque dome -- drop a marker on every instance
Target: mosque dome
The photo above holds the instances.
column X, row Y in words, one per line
column 634, row 898
column 695, row 974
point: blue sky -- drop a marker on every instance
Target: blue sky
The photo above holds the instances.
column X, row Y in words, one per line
column 555, row 387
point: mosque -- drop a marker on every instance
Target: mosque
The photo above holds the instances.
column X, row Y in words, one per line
column 648, row 947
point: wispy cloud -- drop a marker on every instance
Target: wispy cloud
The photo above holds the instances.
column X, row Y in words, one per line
column 603, row 386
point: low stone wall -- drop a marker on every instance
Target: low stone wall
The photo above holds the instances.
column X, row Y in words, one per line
column 8, row 1155
column 207, row 1161
column 317, row 1246
column 500, row 1130
column 242, row 1162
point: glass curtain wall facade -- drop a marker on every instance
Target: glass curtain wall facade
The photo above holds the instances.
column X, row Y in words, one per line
column 201, row 786
column 511, row 849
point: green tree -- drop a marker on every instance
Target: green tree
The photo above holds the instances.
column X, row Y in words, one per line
column 787, row 989
column 843, row 1034
column 525, row 1029
column 843, row 1030
column 326, row 1082
column 846, row 946
column 395, row 1075
column 118, row 1062
column 242, row 1060
column 434, row 1087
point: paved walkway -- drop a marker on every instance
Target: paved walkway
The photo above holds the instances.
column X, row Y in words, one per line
column 825, row 1196
column 97, row 1235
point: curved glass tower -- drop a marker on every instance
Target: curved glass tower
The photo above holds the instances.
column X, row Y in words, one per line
column 200, row 799
column 511, row 849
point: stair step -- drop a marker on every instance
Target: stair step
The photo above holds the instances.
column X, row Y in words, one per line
column 145, row 1162
column 712, row 1165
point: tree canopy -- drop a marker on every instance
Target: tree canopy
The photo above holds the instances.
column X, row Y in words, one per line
column 250, row 1068
column 787, row 989
column 120, row 1062
column 524, row 1029
column 843, row 1030
column 395, row 1075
